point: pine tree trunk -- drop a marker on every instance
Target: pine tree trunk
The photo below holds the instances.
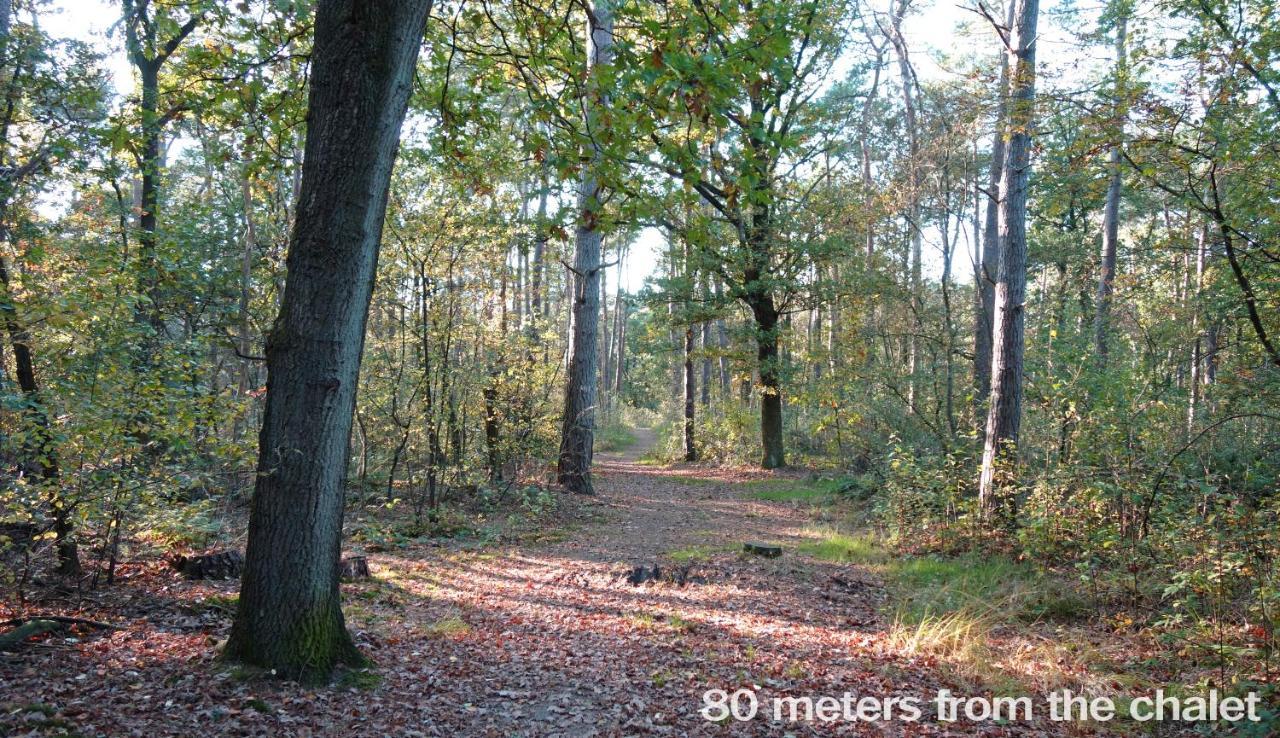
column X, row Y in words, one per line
column 538, row 307
column 984, row 317
column 690, row 396
column 1110, row 213
column 289, row 618
column 578, row 430
column 907, row 75
column 722, row 337
column 705, row 397
column 620, row 366
column 605, row 356
column 1004, row 414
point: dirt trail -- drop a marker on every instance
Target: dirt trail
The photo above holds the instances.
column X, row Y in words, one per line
column 547, row 638
column 558, row 643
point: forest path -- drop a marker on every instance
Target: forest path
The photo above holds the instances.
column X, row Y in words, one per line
column 536, row 638
column 550, row 639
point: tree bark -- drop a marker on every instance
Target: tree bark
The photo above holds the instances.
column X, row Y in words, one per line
column 538, row 307
column 907, row 75
column 1004, row 415
column 578, row 430
column 1197, row 356
column 765, row 313
column 620, row 366
column 705, row 397
column 690, row 393
column 722, row 334
column 1111, row 210
column 984, row 317
column 605, row 347
column 289, row 618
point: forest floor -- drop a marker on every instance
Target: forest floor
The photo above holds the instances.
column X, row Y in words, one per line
column 539, row 638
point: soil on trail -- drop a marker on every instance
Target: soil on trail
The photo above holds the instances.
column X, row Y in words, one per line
column 544, row 638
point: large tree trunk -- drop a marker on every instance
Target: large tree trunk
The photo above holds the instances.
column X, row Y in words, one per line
column 1111, row 210
column 768, row 362
column 758, row 295
column 989, row 264
column 765, row 315
column 289, row 618
column 774, row 454
column 578, row 430
column 1005, row 412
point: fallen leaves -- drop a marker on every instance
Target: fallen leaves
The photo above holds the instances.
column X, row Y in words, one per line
column 543, row 639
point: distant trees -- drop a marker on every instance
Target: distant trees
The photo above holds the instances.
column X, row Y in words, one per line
column 52, row 99
column 289, row 618
column 152, row 36
column 730, row 90
column 1111, row 208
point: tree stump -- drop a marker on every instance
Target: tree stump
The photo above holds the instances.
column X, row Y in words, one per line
column 762, row 549
column 354, row 567
column 218, row 565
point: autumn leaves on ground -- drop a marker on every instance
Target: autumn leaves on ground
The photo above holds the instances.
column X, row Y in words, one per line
column 551, row 634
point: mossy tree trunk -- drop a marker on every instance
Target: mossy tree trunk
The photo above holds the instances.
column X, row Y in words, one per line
column 289, row 618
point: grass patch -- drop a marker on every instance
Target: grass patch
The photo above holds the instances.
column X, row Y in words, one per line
column 697, row 554
column 929, row 587
column 362, row 679
column 447, row 627
column 614, row 437
column 689, row 481
column 257, row 705
column 986, row 585
column 219, row 604
column 957, row 635
column 950, row 608
column 830, row 545
column 795, row 490
column 642, row 620
column 947, row 606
